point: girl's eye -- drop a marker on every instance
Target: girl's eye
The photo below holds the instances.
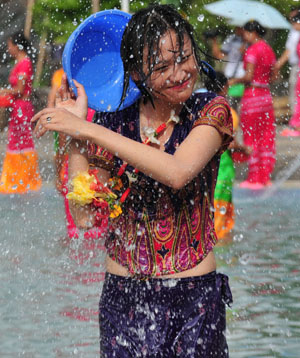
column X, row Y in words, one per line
column 160, row 69
column 182, row 59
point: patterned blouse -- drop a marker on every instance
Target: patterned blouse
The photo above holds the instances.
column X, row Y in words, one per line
column 161, row 230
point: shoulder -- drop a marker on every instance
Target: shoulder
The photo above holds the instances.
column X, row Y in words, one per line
column 25, row 65
column 198, row 100
column 217, row 113
column 217, row 107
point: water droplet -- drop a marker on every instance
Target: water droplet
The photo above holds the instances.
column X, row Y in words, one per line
column 223, row 210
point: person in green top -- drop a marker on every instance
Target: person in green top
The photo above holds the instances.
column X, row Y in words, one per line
column 224, row 208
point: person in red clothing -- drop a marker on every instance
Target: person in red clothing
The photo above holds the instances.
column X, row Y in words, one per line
column 257, row 112
column 20, row 172
column 294, row 123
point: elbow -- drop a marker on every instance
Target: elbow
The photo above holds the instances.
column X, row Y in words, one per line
column 178, row 181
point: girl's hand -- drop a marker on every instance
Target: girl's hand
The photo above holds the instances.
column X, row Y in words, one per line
column 65, row 98
column 68, row 115
column 60, row 120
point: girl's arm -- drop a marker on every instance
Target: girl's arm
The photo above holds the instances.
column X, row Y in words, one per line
column 172, row 170
column 18, row 90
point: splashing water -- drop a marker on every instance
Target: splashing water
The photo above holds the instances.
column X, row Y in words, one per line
column 50, row 285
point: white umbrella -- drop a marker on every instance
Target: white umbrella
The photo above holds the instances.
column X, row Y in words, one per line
column 241, row 11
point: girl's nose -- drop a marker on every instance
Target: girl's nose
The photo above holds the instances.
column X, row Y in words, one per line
column 178, row 74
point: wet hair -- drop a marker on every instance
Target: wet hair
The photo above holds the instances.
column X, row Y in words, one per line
column 20, row 40
column 145, row 29
column 255, row 26
column 218, row 84
column 296, row 17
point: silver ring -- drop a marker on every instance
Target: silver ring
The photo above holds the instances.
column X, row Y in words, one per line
column 48, row 119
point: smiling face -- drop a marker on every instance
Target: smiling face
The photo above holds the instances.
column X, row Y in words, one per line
column 173, row 74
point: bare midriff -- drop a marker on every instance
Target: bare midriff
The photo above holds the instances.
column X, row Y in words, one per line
column 206, row 266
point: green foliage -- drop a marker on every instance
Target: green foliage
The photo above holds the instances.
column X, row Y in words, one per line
column 58, row 19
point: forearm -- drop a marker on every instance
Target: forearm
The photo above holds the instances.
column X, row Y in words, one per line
column 282, row 59
column 172, row 170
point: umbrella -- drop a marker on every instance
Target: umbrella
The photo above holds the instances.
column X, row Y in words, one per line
column 241, row 11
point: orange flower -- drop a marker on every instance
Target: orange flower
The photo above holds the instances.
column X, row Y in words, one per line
column 116, row 211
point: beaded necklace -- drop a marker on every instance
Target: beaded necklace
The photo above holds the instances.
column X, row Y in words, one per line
column 151, row 137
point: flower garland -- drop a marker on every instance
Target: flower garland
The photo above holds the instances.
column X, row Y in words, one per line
column 87, row 189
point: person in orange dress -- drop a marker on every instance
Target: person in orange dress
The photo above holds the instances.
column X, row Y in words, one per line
column 20, row 172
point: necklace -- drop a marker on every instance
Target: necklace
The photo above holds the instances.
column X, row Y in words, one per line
column 151, row 137
column 152, row 134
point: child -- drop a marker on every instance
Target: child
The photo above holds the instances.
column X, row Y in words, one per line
column 61, row 164
column 162, row 296
column 224, row 208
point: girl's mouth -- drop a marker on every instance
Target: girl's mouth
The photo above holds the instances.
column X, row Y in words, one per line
column 182, row 85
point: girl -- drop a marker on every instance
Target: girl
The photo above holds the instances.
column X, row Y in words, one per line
column 20, row 172
column 161, row 296
column 257, row 112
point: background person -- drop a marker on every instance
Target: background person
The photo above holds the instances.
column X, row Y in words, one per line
column 290, row 55
column 20, row 172
column 61, row 161
column 223, row 203
column 257, row 112
column 232, row 50
column 294, row 122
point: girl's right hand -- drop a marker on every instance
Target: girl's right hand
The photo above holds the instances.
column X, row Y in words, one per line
column 65, row 98
column 69, row 115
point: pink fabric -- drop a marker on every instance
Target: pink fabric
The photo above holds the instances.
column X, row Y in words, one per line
column 263, row 57
column 90, row 115
column 23, row 67
column 19, row 127
column 257, row 114
column 295, row 119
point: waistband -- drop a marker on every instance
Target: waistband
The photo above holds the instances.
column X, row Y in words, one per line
column 153, row 280
column 259, row 85
column 171, row 285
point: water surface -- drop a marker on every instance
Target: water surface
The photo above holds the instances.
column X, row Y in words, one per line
column 50, row 286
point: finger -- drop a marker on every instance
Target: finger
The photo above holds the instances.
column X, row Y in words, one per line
column 80, row 88
column 39, row 129
column 64, row 88
column 38, row 115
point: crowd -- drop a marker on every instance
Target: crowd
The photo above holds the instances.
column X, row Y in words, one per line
column 160, row 187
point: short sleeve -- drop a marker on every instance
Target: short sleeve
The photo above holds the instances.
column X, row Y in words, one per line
column 217, row 114
column 24, row 67
column 250, row 56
